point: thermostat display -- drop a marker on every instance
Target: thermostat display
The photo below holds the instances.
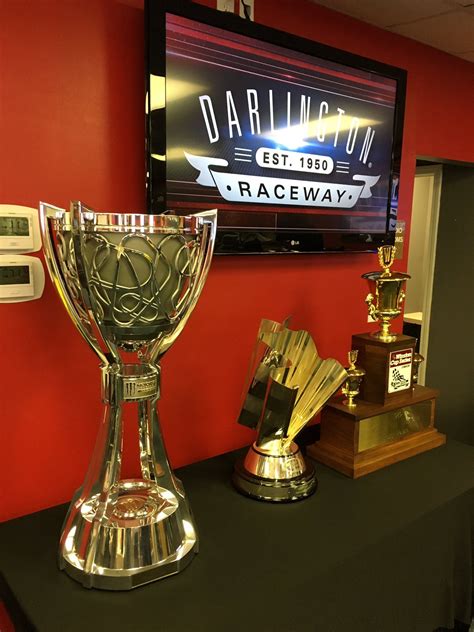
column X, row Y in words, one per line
column 21, row 278
column 19, row 229
column 14, row 226
column 14, row 275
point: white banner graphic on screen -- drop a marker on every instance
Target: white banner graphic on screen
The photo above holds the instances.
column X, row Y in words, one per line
column 265, row 190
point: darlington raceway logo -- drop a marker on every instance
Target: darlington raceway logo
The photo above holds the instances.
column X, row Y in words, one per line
column 344, row 135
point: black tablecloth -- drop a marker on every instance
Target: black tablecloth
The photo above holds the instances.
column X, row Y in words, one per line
column 390, row 552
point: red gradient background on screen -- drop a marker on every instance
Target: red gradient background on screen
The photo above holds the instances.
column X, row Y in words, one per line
column 72, row 127
column 211, row 73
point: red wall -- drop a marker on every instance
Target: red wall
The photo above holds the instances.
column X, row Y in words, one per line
column 71, row 126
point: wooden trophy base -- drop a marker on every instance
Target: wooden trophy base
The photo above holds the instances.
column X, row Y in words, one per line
column 369, row 436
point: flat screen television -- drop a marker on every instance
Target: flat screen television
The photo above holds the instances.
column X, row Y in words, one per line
column 297, row 144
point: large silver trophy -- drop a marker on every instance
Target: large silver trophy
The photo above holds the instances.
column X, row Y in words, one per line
column 129, row 282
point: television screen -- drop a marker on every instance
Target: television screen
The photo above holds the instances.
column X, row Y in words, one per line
column 298, row 150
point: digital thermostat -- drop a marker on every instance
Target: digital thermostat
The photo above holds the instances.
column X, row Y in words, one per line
column 19, row 229
column 21, row 278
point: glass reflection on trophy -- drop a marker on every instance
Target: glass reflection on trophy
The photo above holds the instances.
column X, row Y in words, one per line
column 387, row 293
column 129, row 283
column 287, row 385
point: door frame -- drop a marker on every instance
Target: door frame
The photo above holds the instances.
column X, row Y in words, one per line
column 435, row 173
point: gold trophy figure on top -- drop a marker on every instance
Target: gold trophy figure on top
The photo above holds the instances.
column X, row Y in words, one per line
column 386, row 293
column 355, row 376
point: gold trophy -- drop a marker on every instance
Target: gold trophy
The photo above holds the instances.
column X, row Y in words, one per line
column 417, row 360
column 288, row 383
column 386, row 293
column 394, row 416
column 355, row 376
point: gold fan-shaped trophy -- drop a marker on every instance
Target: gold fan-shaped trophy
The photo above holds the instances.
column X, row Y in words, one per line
column 288, row 384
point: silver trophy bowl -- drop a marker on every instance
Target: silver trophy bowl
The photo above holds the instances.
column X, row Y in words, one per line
column 129, row 282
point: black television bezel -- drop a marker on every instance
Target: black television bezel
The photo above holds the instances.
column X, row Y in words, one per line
column 283, row 241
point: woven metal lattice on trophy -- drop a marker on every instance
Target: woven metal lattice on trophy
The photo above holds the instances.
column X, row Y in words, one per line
column 129, row 283
column 287, row 385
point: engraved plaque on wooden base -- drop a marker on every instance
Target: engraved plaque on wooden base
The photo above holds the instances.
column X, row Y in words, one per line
column 369, row 436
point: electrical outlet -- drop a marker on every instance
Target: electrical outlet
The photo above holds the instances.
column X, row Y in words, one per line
column 246, row 9
column 225, row 5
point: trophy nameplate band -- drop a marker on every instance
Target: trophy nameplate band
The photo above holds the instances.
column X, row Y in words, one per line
column 394, row 425
column 139, row 388
column 134, row 384
column 400, row 367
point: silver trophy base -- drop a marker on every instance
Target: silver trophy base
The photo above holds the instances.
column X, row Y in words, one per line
column 273, row 477
column 145, row 535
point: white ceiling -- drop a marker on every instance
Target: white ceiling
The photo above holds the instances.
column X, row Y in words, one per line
column 444, row 24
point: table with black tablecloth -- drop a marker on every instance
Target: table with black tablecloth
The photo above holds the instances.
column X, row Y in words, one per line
column 390, row 552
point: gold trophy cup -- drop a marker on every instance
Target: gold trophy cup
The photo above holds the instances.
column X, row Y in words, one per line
column 355, row 376
column 386, row 293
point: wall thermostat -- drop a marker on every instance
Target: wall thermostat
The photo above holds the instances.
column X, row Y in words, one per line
column 19, row 229
column 21, row 278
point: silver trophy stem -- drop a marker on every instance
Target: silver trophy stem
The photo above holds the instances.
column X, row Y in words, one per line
column 153, row 457
column 105, row 467
column 122, row 533
column 151, row 471
column 110, row 454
